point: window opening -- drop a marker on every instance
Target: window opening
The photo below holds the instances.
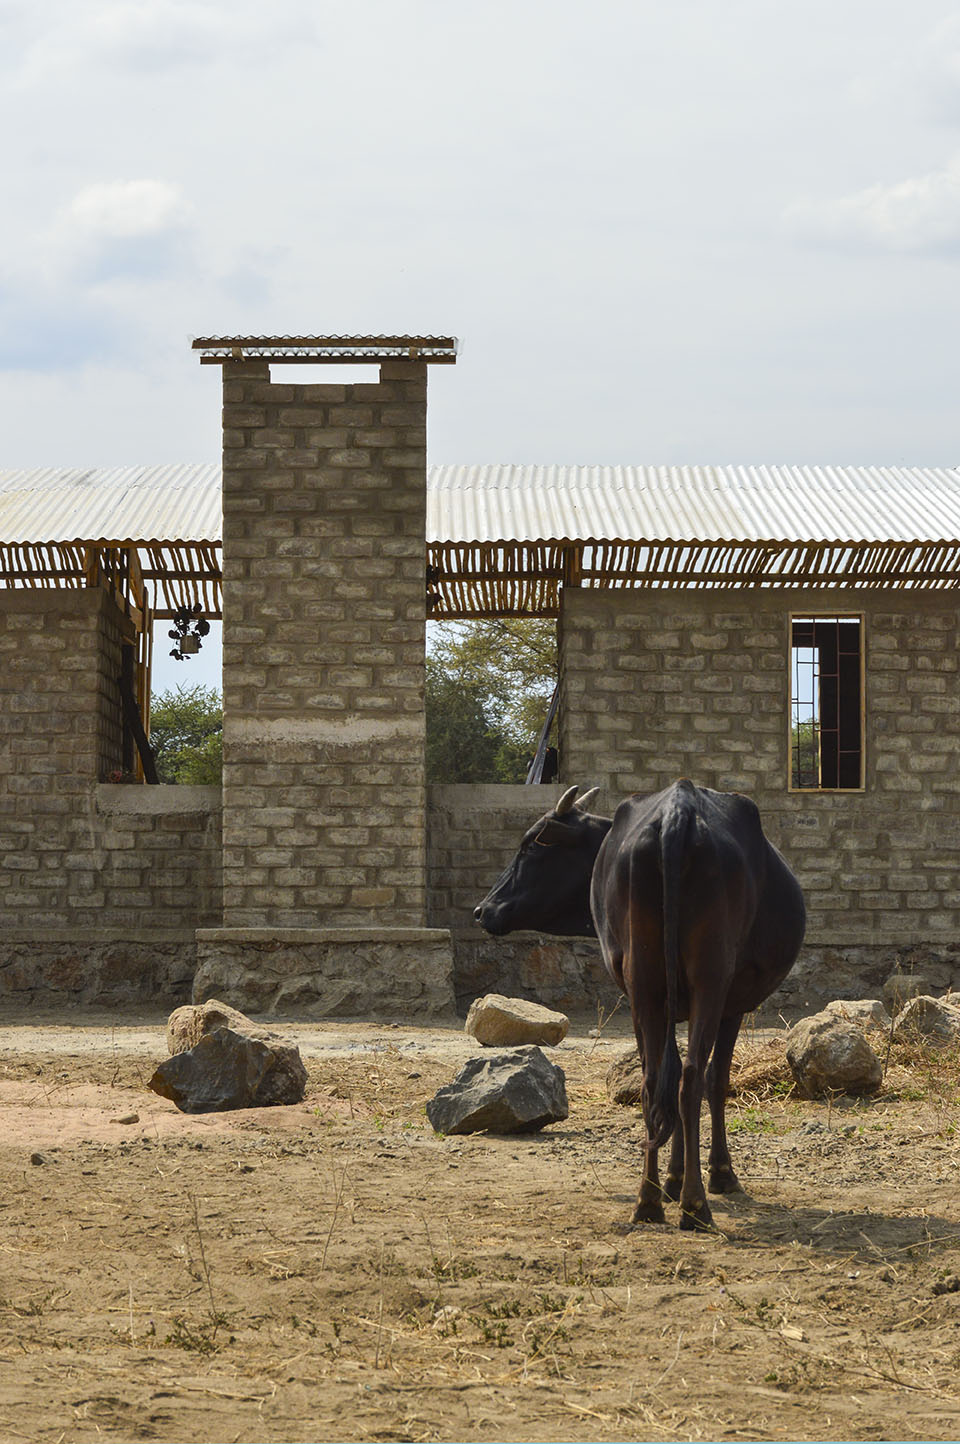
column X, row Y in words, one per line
column 489, row 684
column 826, row 706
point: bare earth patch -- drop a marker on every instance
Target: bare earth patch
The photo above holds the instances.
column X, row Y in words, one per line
column 335, row 1270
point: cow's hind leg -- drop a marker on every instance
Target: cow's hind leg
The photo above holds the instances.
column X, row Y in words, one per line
column 722, row 1178
column 673, row 1183
column 649, row 1207
column 694, row 1209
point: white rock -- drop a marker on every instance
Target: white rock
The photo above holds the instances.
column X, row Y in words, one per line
column 499, row 1022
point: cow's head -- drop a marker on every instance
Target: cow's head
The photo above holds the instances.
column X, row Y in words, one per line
column 546, row 887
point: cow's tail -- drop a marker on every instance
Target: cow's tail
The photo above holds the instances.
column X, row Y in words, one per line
column 674, row 846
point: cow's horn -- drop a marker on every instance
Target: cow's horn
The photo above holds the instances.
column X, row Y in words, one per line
column 584, row 802
column 566, row 802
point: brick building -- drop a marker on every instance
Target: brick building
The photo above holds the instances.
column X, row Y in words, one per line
column 788, row 633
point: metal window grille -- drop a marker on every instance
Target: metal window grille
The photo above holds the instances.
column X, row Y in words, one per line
column 826, row 705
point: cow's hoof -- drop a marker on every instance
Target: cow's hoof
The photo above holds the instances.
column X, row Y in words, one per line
column 673, row 1186
column 649, row 1213
column 696, row 1217
column 724, row 1180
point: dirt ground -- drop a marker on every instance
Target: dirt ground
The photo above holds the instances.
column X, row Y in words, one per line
column 336, row 1271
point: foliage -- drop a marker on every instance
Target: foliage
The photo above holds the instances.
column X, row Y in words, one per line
column 489, row 685
column 186, row 726
column 805, row 753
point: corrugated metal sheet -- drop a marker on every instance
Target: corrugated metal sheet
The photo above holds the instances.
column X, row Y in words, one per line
column 693, row 503
column 783, row 504
column 127, row 504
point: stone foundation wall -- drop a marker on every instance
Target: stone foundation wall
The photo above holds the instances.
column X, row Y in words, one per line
column 87, row 972
column 383, row 974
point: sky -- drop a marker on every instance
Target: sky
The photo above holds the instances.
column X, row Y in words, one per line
column 684, row 232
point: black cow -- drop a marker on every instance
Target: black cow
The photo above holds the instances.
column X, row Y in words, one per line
column 699, row 919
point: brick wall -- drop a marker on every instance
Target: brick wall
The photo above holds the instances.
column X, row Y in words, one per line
column 91, row 874
column 323, row 658
column 659, row 686
column 473, row 831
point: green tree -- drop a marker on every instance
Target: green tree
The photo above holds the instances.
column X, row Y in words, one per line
column 461, row 743
column 489, row 685
column 805, row 753
column 186, row 727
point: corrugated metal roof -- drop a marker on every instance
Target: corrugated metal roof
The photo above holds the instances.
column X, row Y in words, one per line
column 157, row 504
column 128, row 504
column 693, row 503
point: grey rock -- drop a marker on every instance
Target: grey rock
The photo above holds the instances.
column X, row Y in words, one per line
column 228, row 1069
column 901, row 987
column 865, row 1011
column 499, row 1022
column 515, row 1091
column 830, row 1055
column 936, row 1021
column 625, row 1079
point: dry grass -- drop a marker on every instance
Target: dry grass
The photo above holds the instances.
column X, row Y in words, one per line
column 760, row 1069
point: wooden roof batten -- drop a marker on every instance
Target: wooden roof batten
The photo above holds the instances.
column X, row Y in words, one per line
column 181, row 573
column 526, row 579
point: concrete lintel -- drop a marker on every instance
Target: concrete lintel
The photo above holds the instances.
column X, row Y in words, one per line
column 119, row 797
column 323, row 935
column 328, row 731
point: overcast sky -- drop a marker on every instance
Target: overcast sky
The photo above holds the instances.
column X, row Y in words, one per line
column 665, row 230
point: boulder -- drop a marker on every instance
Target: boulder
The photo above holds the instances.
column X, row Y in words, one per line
column 901, row 987
column 187, row 1025
column 936, row 1021
column 865, row 1011
column 625, row 1080
column 499, row 1022
column 828, row 1054
column 517, row 1090
column 232, row 1063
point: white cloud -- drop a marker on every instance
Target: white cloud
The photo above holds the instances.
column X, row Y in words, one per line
column 919, row 214
column 122, row 210
column 150, row 37
column 123, row 229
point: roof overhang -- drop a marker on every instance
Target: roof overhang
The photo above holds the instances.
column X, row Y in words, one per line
column 506, row 540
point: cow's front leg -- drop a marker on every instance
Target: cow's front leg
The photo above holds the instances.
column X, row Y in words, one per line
column 721, row 1178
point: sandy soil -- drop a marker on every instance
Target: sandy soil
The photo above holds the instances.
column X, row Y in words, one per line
column 336, row 1271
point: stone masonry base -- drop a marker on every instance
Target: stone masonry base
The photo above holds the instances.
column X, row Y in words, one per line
column 381, row 974
column 96, row 973
column 569, row 974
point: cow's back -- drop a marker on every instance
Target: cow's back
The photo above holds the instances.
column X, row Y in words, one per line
column 728, row 880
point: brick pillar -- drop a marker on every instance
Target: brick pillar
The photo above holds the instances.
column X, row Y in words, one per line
column 324, row 795
column 324, row 501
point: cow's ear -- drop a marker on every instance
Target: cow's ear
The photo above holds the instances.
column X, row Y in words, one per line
column 553, row 833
